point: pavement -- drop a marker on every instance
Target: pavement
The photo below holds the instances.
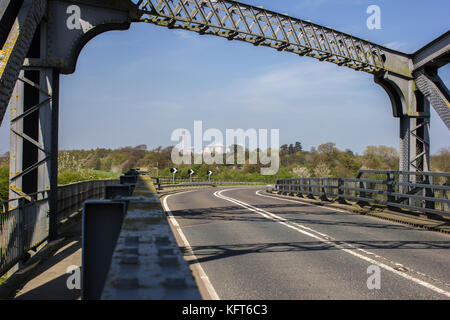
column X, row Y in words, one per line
column 254, row 246
column 47, row 277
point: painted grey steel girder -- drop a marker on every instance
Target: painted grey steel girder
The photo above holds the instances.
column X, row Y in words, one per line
column 436, row 92
column 258, row 26
column 434, row 54
column 35, row 102
column 8, row 12
column 16, row 46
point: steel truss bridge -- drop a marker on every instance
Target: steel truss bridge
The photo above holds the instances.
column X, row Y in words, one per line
column 37, row 46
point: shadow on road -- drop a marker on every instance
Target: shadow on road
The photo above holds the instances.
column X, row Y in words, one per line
column 214, row 252
column 297, row 215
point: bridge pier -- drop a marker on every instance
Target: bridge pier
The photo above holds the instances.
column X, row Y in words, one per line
column 34, row 133
column 409, row 79
column 412, row 109
column 415, row 142
column 53, row 51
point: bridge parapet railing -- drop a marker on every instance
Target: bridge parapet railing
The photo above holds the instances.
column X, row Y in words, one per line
column 167, row 182
column 25, row 225
column 72, row 196
column 425, row 192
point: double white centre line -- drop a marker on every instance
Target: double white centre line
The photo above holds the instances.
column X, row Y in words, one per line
column 343, row 246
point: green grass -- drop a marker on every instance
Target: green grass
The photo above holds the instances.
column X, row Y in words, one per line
column 2, row 280
column 64, row 177
column 4, row 182
column 67, row 177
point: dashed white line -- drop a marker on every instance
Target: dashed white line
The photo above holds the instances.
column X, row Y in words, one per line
column 325, row 239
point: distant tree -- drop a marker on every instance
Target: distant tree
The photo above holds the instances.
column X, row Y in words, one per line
column 298, row 147
column 322, row 171
column 327, row 148
column 301, row 172
column 441, row 160
column 349, row 152
column 141, row 147
column 380, row 157
column 284, row 149
column 98, row 164
column 291, row 149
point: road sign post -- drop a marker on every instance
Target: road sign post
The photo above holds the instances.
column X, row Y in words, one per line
column 209, row 175
column 191, row 172
column 174, row 171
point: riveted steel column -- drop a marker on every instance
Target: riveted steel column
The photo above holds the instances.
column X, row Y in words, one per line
column 415, row 142
column 420, row 135
column 34, row 132
column 53, row 195
column 16, row 142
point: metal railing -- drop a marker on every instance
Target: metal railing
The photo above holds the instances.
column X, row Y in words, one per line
column 25, row 225
column 424, row 192
column 72, row 196
column 168, row 182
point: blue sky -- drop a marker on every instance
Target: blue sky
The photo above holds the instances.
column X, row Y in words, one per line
column 137, row 86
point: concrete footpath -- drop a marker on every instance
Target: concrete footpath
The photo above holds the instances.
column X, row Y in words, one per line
column 44, row 276
column 48, row 281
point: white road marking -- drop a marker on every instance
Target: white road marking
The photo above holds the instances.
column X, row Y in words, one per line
column 204, row 278
column 325, row 239
column 297, row 201
column 411, row 270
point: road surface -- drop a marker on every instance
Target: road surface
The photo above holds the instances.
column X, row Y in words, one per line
column 249, row 245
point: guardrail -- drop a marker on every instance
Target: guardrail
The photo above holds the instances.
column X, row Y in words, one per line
column 24, row 226
column 164, row 182
column 423, row 192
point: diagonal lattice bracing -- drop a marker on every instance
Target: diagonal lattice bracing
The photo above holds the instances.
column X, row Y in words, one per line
column 237, row 21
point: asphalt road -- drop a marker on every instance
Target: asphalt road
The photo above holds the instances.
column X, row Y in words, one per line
column 249, row 245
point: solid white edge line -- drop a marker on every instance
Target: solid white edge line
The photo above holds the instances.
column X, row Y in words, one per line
column 281, row 220
column 203, row 277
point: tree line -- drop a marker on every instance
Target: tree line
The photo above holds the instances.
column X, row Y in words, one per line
column 325, row 160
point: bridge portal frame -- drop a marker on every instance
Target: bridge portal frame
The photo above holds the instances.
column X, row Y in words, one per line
column 59, row 50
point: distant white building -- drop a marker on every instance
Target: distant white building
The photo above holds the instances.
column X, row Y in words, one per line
column 216, row 149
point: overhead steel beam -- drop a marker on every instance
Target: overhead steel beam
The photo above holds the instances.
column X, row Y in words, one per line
column 8, row 13
column 434, row 54
column 16, row 47
column 436, row 92
column 237, row 21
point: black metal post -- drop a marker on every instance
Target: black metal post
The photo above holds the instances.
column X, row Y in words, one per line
column 53, row 196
